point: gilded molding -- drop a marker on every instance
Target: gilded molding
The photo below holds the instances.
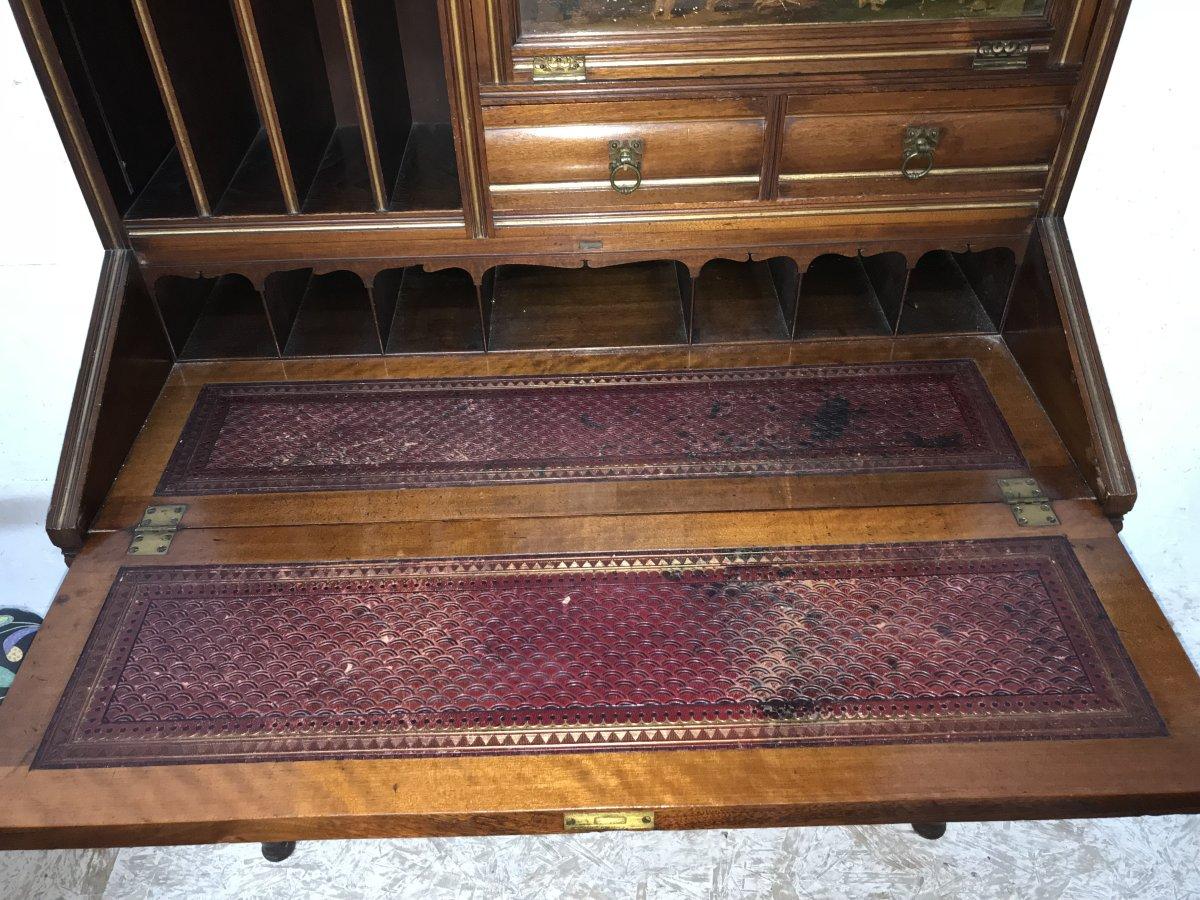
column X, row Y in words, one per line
column 174, row 114
column 946, row 170
column 331, row 227
column 608, row 61
column 466, row 116
column 80, row 143
column 546, row 186
column 264, row 98
column 362, row 104
column 780, row 212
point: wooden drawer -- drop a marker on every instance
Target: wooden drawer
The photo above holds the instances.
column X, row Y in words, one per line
column 856, row 146
column 558, row 154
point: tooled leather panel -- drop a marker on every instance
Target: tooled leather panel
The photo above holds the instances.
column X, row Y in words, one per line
column 962, row 641
column 249, row 438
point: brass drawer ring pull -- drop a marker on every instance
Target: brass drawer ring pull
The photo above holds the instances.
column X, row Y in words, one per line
column 625, row 165
column 920, row 142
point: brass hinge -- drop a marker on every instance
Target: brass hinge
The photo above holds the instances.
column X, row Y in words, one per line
column 559, row 68
column 1002, row 55
column 153, row 535
column 614, row 820
column 1029, row 504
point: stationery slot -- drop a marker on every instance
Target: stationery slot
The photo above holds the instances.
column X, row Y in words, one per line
column 106, row 64
column 298, row 67
column 214, row 318
column 334, row 316
column 740, row 302
column 943, row 298
column 537, row 307
column 428, row 312
column 401, row 83
column 991, row 274
column 225, row 153
column 851, row 296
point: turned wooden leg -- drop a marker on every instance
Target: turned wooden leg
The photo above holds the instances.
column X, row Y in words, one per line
column 278, row 851
column 931, row 831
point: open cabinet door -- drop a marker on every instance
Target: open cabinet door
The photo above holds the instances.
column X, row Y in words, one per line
column 907, row 663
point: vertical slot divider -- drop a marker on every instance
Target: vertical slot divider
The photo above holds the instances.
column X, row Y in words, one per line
column 687, row 297
column 362, row 105
column 162, row 322
column 262, row 298
column 386, row 291
column 264, row 99
column 908, row 270
column 179, row 328
column 972, row 284
column 380, row 337
column 889, row 290
column 282, row 295
column 485, row 289
column 794, row 325
column 862, row 267
column 981, row 267
column 785, row 278
column 166, row 90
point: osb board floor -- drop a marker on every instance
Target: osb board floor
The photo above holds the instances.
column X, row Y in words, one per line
column 1147, row 858
column 1047, row 458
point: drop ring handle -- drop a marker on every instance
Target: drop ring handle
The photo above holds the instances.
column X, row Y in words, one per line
column 625, row 165
column 920, row 142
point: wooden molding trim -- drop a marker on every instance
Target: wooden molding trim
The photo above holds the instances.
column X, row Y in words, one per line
column 66, row 521
column 724, row 215
column 465, row 102
column 166, row 89
column 1102, row 48
column 264, row 99
column 1115, row 486
column 615, row 61
column 936, row 172
column 536, row 187
column 46, row 63
column 362, row 103
column 126, row 360
column 397, row 223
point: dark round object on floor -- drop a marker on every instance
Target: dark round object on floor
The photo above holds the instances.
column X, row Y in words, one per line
column 278, row 851
column 930, row 830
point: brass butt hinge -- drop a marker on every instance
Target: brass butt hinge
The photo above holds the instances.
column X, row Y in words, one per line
column 613, row 820
column 1029, row 504
column 153, row 535
column 559, row 68
column 1010, row 54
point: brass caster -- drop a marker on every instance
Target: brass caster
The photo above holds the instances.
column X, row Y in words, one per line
column 931, row 831
column 278, row 851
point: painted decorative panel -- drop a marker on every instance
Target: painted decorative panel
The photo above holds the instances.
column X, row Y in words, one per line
column 570, row 16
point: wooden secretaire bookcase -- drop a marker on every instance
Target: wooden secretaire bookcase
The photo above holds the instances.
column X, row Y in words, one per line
column 511, row 416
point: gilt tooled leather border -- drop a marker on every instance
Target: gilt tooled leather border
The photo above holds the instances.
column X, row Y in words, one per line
column 216, row 456
column 1046, row 662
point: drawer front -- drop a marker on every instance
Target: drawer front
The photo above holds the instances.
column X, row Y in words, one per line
column 922, row 146
column 557, row 156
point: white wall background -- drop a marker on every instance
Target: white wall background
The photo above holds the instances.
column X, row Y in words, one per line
column 1133, row 225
